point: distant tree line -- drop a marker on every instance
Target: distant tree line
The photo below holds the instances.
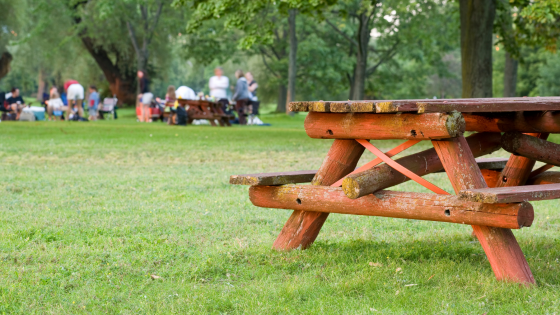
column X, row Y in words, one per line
column 319, row 49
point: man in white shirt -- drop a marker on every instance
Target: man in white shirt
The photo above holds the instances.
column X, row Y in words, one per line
column 218, row 84
column 218, row 87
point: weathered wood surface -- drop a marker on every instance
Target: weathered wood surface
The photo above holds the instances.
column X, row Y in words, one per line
column 531, row 147
column 527, row 122
column 428, row 105
column 488, row 107
column 422, row 163
column 491, row 177
column 419, row 206
column 295, row 177
column 273, row 179
column 499, row 244
column 381, row 126
column 512, row 194
column 302, row 228
column 545, row 178
column 518, row 168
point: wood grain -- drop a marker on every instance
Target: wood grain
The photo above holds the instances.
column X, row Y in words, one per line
column 512, row 194
column 531, row 147
column 422, row 163
column 383, row 126
column 504, row 254
column 418, row 206
column 273, row 179
column 302, row 227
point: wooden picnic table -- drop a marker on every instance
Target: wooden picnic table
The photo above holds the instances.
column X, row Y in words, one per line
column 492, row 195
column 202, row 109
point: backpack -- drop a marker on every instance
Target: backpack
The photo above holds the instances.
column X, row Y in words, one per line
column 181, row 116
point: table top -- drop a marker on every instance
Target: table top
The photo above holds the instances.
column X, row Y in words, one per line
column 464, row 105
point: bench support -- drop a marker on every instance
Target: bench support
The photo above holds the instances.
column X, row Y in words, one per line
column 302, row 227
column 499, row 244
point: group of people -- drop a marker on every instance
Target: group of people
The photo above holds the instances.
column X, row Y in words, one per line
column 71, row 102
column 66, row 105
column 244, row 96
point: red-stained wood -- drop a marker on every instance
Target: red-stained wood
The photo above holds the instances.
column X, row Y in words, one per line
column 422, row 163
column 383, row 126
column 518, row 168
column 512, row 194
column 491, row 177
column 468, row 106
column 531, row 147
column 545, row 178
column 527, row 122
column 418, row 206
column 499, row 244
column 294, row 177
column 438, row 105
column 302, row 227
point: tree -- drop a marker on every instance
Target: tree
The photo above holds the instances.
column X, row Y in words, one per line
column 10, row 23
column 255, row 18
column 477, row 21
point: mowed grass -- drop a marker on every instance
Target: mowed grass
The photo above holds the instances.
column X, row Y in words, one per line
column 93, row 212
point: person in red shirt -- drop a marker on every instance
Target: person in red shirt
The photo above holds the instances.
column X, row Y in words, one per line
column 75, row 95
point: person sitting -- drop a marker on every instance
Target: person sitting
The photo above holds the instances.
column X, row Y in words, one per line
column 241, row 97
column 16, row 103
column 93, row 102
column 75, row 95
column 55, row 105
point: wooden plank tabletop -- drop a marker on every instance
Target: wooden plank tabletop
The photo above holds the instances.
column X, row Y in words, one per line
column 472, row 105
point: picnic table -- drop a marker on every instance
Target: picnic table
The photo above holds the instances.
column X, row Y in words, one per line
column 492, row 195
column 202, row 109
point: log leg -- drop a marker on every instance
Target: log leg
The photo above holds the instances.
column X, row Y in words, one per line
column 302, row 227
column 518, row 168
column 501, row 247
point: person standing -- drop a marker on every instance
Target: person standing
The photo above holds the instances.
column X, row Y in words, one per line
column 75, row 95
column 93, row 102
column 254, row 100
column 15, row 102
column 241, row 97
column 218, row 85
column 145, row 97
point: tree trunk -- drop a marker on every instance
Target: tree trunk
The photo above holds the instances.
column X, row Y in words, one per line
column 292, row 70
column 359, row 80
column 510, row 76
column 40, row 85
column 121, row 83
column 477, row 20
column 5, row 61
column 282, row 97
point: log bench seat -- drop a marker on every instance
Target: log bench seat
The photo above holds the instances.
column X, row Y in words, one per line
column 297, row 177
column 512, row 194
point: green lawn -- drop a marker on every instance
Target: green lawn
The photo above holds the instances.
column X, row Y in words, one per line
column 90, row 211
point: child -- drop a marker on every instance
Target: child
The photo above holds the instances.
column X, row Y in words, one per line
column 93, row 102
column 55, row 107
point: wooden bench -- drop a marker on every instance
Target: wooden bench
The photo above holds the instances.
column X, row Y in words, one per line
column 339, row 187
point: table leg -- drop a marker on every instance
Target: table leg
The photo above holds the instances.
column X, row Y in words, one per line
column 501, row 247
column 302, row 227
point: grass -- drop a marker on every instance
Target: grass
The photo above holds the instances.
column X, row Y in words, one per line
column 90, row 211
